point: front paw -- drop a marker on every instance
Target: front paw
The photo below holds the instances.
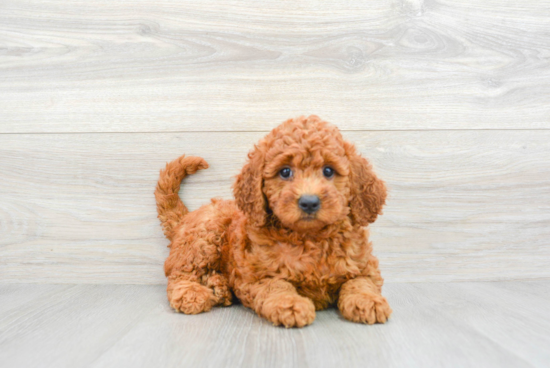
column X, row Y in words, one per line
column 288, row 310
column 365, row 308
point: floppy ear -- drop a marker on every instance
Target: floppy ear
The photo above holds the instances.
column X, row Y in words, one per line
column 248, row 189
column 368, row 193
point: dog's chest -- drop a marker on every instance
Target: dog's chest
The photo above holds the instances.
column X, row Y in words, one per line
column 316, row 270
column 315, row 265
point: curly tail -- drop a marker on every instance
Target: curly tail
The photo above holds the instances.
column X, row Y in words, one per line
column 169, row 205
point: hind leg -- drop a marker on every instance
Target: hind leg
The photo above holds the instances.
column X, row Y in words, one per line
column 190, row 295
column 195, row 283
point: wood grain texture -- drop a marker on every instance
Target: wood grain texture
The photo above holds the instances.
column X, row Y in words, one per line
column 433, row 325
column 463, row 205
column 69, row 326
column 76, row 66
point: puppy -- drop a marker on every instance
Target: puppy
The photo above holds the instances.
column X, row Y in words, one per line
column 294, row 240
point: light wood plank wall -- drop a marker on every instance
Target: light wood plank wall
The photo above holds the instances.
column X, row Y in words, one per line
column 449, row 99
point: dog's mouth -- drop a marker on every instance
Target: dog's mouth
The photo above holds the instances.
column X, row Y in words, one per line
column 308, row 218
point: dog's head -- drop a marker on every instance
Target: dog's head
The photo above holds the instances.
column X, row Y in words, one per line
column 305, row 174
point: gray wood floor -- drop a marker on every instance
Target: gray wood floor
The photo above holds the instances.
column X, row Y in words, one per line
column 470, row 324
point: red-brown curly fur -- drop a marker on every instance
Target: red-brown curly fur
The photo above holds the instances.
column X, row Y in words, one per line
column 276, row 259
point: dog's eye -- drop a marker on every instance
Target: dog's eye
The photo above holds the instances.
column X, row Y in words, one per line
column 285, row 173
column 328, row 172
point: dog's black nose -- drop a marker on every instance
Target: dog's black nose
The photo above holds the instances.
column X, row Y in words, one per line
column 309, row 203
